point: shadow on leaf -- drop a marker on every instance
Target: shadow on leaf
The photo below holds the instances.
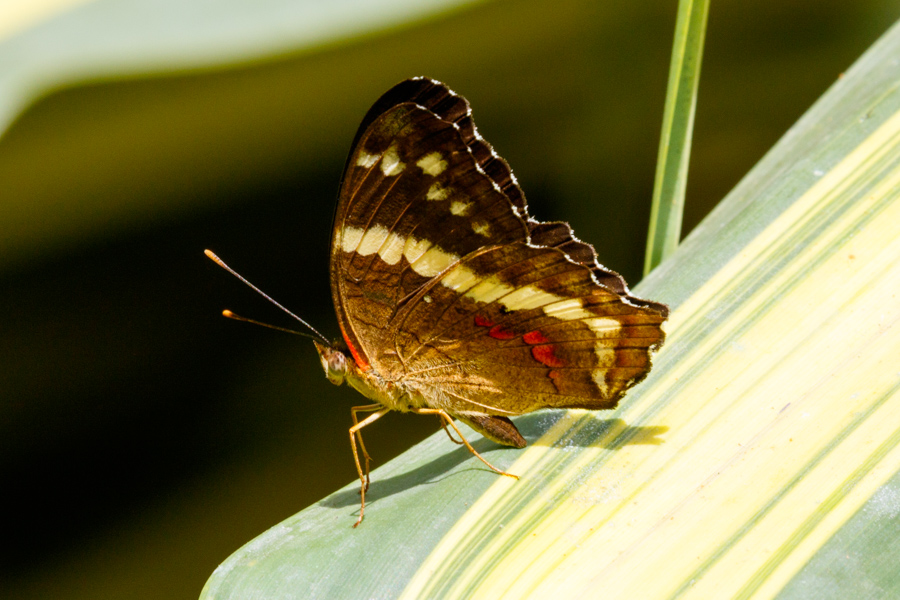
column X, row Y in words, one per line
column 611, row 434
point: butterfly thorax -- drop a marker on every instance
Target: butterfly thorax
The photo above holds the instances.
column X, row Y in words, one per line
column 339, row 367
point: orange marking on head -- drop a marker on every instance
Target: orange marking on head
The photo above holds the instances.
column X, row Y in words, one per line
column 545, row 355
column 535, row 337
column 499, row 333
column 483, row 321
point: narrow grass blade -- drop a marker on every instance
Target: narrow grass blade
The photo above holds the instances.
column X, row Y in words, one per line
column 675, row 139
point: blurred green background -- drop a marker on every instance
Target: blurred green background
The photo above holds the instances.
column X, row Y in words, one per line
column 143, row 438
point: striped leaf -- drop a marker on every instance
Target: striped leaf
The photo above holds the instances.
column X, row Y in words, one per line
column 760, row 458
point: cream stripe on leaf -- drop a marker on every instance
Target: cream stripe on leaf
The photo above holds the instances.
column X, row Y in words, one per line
column 770, row 421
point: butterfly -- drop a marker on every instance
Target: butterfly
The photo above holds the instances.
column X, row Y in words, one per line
column 451, row 300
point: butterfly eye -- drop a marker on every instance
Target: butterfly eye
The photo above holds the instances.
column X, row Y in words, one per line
column 335, row 364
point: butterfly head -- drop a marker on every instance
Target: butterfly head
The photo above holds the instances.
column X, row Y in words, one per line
column 333, row 361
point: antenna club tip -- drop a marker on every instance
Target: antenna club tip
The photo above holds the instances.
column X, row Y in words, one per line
column 212, row 256
column 228, row 313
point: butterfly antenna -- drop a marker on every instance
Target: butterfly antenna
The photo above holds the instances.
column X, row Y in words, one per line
column 231, row 315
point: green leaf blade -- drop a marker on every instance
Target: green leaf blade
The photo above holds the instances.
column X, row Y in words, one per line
column 677, row 131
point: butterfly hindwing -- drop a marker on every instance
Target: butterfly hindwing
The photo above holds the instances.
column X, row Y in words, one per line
column 514, row 328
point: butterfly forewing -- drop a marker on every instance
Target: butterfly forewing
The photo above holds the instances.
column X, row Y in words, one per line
column 444, row 284
column 413, row 201
column 451, row 108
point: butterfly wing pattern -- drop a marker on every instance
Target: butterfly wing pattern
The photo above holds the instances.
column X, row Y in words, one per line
column 451, row 299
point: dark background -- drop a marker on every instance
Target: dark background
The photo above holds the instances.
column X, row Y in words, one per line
column 143, row 438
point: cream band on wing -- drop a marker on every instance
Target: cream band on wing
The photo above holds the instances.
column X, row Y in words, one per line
column 437, row 192
column 366, row 160
column 460, row 208
column 432, row 164
column 390, row 161
column 428, row 260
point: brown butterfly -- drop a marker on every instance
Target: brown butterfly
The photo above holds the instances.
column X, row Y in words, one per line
column 453, row 301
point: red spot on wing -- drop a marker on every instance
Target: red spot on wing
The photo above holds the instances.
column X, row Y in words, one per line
column 483, row 321
column 498, row 332
column 545, row 355
column 535, row 337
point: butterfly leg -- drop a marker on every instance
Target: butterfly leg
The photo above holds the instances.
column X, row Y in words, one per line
column 359, row 409
column 363, row 477
column 450, row 435
column 447, row 420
